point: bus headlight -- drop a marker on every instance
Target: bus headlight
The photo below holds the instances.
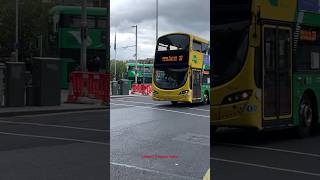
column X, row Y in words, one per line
column 184, row 92
column 237, row 97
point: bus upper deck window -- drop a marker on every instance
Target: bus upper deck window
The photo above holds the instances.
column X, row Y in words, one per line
column 196, row 46
column 315, row 57
column 173, row 42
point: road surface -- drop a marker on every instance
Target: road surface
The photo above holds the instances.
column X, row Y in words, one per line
column 238, row 154
column 156, row 140
column 55, row 146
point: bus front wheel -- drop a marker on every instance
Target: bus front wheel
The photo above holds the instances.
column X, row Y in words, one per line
column 306, row 117
column 174, row 102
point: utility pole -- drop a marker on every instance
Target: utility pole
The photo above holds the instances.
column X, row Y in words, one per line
column 17, row 31
column 115, row 58
column 157, row 19
column 84, row 36
column 108, row 37
column 136, row 71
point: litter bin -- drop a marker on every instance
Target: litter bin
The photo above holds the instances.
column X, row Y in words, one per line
column 124, row 87
column 66, row 67
column 46, row 81
column 114, row 87
column 15, row 84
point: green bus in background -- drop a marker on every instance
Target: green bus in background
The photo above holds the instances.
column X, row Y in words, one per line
column 64, row 38
column 144, row 73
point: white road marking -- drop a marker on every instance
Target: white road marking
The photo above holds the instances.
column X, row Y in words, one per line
column 159, row 104
column 55, row 126
column 267, row 167
column 55, row 138
column 154, row 171
column 199, row 109
column 160, row 109
column 269, row 149
column 63, row 113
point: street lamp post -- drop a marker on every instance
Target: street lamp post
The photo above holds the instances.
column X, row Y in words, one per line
column 84, row 36
column 136, row 71
column 157, row 19
column 17, row 31
column 115, row 56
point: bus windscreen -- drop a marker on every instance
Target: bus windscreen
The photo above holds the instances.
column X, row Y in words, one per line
column 229, row 35
column 170, row 78
column 229, row 11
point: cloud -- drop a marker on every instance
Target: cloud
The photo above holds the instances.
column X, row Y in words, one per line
column 190, row 16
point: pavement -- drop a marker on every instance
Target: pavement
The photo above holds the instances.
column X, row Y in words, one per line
column 264, row 155
column 83, row 104
column 156, row 140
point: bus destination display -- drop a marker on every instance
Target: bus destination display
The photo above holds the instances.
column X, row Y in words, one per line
column 172, row 58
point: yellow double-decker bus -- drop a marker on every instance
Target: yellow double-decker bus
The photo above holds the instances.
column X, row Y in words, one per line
column 266, row 64
column 181, row 69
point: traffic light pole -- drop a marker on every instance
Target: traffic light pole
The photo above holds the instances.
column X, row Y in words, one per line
column 136, row 71
column 84, row 36
column 17, row 31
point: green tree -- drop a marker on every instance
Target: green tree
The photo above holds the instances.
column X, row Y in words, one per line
column 121, row 69
column 33, row 22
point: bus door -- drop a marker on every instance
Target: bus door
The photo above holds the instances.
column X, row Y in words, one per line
column 277, row 73
column 196, row 84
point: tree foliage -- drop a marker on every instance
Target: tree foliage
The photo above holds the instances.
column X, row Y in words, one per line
column 121, row 70
column 33, row 22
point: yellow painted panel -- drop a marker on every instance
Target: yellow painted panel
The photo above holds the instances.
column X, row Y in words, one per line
column 196, row 59
column 236, row 114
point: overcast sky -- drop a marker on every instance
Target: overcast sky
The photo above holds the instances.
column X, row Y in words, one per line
column 190, row 16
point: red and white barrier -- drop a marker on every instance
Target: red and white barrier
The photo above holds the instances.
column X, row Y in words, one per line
column 89, row 84
column 143, row 89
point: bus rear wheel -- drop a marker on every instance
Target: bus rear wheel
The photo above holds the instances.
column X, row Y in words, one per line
column 306, row 117
column 206, row 99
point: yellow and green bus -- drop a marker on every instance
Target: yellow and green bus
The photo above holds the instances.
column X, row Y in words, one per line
column 266, row 68
column 181, row 69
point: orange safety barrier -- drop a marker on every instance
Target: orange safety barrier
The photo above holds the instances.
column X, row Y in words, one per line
column 144, row 89
column 89, row 84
